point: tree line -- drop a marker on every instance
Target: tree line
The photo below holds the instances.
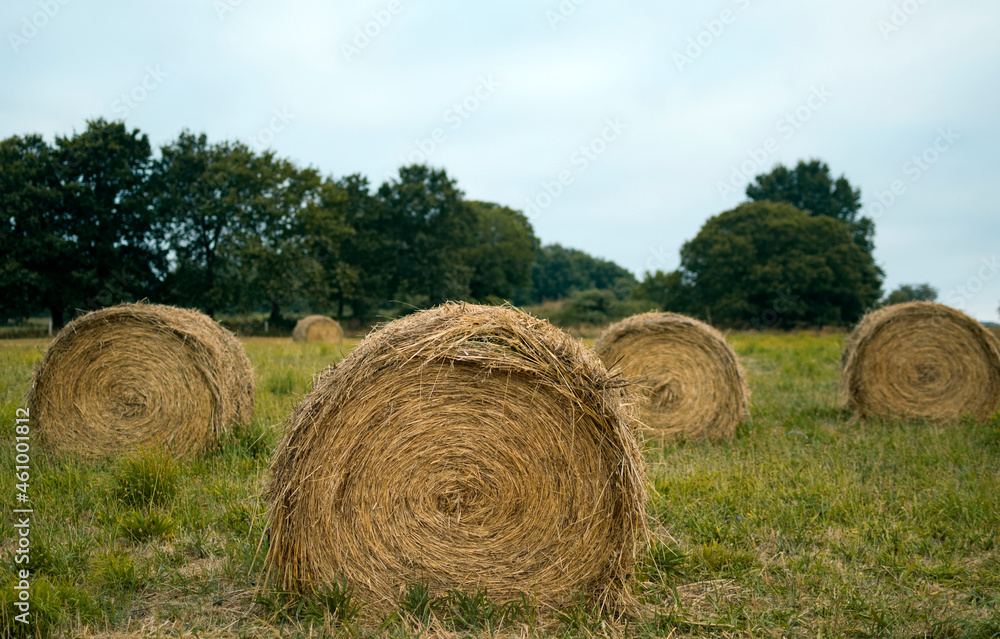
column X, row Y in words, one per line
column 95, row 219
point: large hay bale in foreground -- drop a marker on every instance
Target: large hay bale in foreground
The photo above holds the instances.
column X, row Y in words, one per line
column 140, row 375
column 691, row 382
column 921, row 360
column 317, row 328
column 462, row 447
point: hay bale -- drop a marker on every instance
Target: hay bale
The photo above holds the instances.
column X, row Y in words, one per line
column 317, row 328
column 691, row 382
column 140, row 375
column 921, row 360
column 462, row 447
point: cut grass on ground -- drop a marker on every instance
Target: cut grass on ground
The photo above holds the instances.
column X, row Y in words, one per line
column 807, row 525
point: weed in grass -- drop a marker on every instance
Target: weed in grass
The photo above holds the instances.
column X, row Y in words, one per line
column 238, row 518
column 717, row 559
column 115, row 571
column 417, row 602
column 53, row 601
column 138, row 526
column 329, row 603
column 666, row 558
column 471, row 611
column 146, row 478
column 253, row 441
column 582, row 616
column 68, row 558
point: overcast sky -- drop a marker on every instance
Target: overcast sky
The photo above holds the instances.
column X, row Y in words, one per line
column 618, row 127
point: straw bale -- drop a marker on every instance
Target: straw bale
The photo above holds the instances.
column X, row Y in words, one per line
column 140, row 375
column 691, row 381
column 317, row 328
column 921, row 360
column 462, row 447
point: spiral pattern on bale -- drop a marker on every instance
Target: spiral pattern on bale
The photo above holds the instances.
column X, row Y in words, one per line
column 691, row 382
column 462, row 447
column 140, row 375
column 921, row 360
column 317, row 328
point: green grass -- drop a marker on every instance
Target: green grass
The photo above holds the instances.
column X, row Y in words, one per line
column 807, row 525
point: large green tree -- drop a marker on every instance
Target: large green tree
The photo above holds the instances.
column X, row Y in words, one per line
column 78, row 230
column 326, row 232
column 206, row 195
column 811, row 187
column 771, row 264
column 504, row 251
column 434, row 231
column 371, row 255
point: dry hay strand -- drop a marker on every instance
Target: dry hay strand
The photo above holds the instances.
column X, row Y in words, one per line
column 140, row 375
column 317, row 328
column 921, row 360
column 461, row 447
column 691, row 382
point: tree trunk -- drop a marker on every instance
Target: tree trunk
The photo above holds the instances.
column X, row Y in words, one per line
column 276, row 319
column 57, row 316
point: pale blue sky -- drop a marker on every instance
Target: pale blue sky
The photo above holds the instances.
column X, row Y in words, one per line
column 504, row 95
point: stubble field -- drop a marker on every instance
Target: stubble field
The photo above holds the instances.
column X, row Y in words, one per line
column 806, row 525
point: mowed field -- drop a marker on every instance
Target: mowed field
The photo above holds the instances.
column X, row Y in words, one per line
column 807, row 525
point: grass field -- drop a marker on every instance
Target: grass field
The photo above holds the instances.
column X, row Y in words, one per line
column 808, row 525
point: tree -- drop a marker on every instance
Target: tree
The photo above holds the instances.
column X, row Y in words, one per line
column 327, row 233
column 34, row 244
column 372, row 256
column 811, row 188
column 665, row 290
column 766, row 263
column 505, row 247
column 912, row 293
column 434, row 230
column 204, row 194
column 287, row 241
column 559, row 271
column 78, row 221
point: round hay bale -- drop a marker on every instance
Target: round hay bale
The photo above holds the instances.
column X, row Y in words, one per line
column 921, row 360
column 461, row 447
column 317, row 328
column 691, row 382
column 140, row 375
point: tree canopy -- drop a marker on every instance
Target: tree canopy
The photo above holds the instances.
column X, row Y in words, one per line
column 771, row 264
column 97, row 218
column 912, row 293
column 811, row 188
